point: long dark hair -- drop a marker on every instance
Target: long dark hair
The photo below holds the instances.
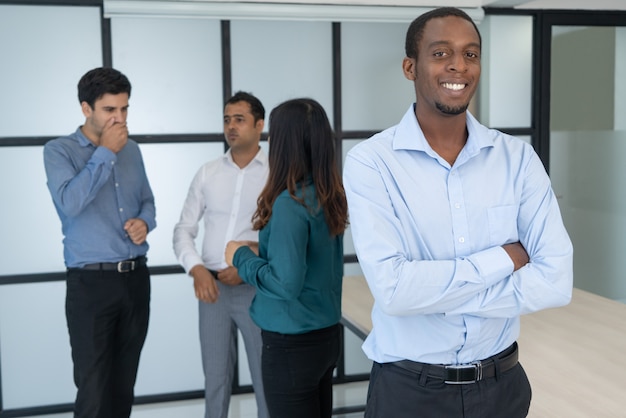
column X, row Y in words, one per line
column 302, row 146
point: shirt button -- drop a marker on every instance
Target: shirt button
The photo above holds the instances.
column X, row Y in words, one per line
column 461, row 240
column 121, row 209
column 457, row 205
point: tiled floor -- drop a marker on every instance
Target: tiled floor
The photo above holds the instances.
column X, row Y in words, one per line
column 241, row 406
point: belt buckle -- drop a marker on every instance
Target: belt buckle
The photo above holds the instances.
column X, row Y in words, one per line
column 122, row 264
column 458, row 371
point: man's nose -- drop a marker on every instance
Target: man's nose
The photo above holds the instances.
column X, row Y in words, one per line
column 120, row 117
column 458, row 64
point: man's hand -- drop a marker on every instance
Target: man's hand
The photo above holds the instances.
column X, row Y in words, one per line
column 137, row 230
column 114, row 135
column 204, row 284
column 518, row 255
column 229, row 276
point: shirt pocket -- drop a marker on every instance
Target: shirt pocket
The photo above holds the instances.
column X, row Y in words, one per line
column 503, row 224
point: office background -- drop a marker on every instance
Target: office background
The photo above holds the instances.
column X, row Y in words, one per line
column 554, row 78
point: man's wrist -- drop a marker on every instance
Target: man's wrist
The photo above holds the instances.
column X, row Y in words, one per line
column 194, row 270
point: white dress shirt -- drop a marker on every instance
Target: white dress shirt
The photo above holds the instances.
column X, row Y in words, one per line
column 225, row 196
column 429, row 239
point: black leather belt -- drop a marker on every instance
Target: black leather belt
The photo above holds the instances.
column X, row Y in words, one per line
column 460, row 374
column 123, row 266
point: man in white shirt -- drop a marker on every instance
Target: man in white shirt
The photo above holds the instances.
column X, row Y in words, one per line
column 224, row 193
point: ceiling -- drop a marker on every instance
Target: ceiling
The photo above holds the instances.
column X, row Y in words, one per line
column 517, row 4
column 333, row 10
column 554, row 4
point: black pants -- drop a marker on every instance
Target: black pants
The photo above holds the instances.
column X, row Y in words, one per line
column 398, row 393
column 107, row 317
column 298, row 372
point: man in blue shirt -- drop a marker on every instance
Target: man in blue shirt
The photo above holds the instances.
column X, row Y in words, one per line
column 100, row 190
column 458, row 233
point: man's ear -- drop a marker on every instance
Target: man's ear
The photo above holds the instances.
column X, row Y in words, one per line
column 409, row 68
column 260, row 124
column 87, row 110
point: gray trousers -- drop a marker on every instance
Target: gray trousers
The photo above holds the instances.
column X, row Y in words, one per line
column 219, row 322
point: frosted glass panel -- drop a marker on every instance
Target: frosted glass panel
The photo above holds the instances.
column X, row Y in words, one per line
column 375, row 93
column 277, row 61
column 348, row 245
column 170, row 169
column 506, row 80
column 170, row 359
column 34, row 346
column 29, row 226
column 45, row 51
column 586, row 149
column 588, row 177
column 36, row 356
column 356, row 361
column 174, row 66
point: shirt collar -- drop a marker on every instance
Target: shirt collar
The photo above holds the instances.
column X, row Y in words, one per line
column 83, row 141
column 409, row 135
column 259, row 158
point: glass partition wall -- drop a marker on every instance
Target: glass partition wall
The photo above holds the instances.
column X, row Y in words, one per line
column 587, row 142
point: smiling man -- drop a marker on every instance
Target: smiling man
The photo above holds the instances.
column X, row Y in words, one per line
column 467, row 236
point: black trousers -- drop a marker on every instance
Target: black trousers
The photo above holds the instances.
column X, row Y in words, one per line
column 298, row 372
column 398, row 393
column 107, row 317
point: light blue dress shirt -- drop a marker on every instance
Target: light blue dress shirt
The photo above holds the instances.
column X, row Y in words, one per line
column 428, row 237
column 95, row 192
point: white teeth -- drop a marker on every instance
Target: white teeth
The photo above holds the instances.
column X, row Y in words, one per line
column 454, row 86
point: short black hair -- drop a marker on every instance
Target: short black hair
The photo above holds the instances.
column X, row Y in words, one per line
column 100, row 81
column 416, row 29
column 256, row 107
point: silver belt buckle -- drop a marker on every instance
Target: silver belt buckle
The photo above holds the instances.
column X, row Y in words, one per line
column 478, row 375
column 129, row 263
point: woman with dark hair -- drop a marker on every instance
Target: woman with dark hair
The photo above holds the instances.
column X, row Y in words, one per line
column 297, row 265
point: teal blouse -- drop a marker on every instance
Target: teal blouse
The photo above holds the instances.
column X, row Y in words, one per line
column 299, row 271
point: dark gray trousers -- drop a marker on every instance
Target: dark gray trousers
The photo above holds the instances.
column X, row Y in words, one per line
column 399, row 393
